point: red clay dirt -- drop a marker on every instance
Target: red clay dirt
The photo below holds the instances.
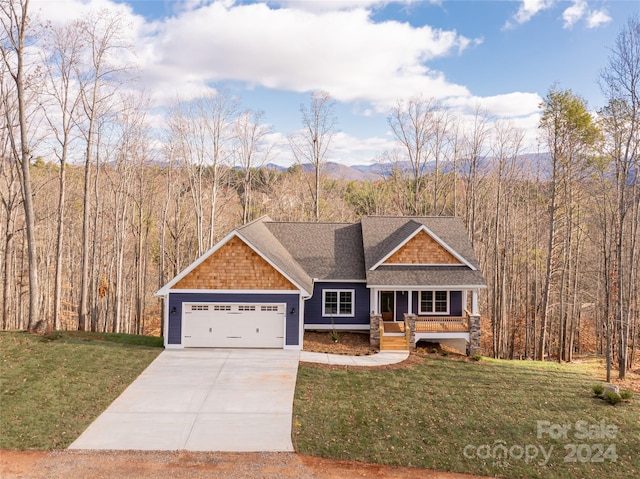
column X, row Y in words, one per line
column 190, row 465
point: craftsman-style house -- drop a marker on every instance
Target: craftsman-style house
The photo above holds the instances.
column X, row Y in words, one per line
column 403, row 279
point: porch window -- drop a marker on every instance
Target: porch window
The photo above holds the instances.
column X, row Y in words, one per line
column 337, row 302
column 434, row 302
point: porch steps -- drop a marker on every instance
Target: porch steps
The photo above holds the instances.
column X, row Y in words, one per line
column 394, row 343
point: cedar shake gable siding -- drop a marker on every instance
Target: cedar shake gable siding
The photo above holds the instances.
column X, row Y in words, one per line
column 235, row 266
column 382, row 234
column 422, row 249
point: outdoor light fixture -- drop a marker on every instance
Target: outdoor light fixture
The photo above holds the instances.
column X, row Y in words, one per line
column 293, row 311
column 173, row 310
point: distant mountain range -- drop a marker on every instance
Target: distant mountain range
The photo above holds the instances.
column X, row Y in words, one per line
column 531, row 163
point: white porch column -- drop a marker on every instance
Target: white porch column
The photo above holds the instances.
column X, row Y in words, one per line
column 465, row 301
column 373, row 300
column 474, row 301
column 410, row 300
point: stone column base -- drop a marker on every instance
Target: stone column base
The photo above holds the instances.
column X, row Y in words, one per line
column 474, row 334
column 374, row 330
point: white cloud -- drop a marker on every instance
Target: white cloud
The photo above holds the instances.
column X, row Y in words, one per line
column 574, row 13
column 597, row 18
column 579, row 10
column 324, row 5
column 510, row 105
column 350, row 150
column 528, row 9
column 291, row 49
column 61, row 11
column 339, row 50
column 345, row 149
column 327, row 5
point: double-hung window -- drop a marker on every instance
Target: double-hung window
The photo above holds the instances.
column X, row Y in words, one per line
column 434, row 302
column 338, row 302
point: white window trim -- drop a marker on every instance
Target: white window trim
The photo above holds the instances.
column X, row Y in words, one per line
column 433, row 313
column 338, row 315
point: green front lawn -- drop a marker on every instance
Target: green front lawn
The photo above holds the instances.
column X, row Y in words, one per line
column 51, row 389
column 489, row 417
column 481, row 418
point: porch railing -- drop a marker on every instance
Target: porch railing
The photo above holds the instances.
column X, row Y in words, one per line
column 443, row 324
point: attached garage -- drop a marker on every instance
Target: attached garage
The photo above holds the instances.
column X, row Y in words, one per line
column 245, row 292
column 233, row 325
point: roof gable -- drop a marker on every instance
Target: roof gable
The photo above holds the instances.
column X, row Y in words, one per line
column 251, row 268
column 383, row 236
column 422, row 248
column 249, row 272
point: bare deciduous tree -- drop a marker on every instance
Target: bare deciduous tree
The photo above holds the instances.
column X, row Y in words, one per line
column 200, row 134
column 620, row 82
column 9, row 195
column 312, row 143
column 64, row 52
column 14, row 18
column 250, row 152
column 104, row 34
column 568, row 129
column 415, row 126
column 474, row 152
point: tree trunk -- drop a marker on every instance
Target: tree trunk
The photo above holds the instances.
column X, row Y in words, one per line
column 16, row 29
column 549, row 265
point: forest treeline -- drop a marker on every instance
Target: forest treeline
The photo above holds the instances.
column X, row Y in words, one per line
column 103, row 202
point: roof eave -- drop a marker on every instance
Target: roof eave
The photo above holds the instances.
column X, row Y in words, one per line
column 273, row 265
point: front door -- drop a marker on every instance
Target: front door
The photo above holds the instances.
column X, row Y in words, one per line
column 387, row 305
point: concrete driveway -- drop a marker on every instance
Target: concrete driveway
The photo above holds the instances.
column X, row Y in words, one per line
column 203, row 400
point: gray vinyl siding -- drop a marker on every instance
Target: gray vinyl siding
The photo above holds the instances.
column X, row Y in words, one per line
column 313, row 306
column 174, row 334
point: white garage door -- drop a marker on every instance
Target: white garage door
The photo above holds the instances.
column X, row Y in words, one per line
column 217, row 325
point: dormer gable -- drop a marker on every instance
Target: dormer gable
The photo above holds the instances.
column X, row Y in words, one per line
column 423, row 248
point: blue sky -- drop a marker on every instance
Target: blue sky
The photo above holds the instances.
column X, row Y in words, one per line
column 500, row 55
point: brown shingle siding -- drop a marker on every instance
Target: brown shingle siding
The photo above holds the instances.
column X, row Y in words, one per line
column 422, row 249
column 235, row 266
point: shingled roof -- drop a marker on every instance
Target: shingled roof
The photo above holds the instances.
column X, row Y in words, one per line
column 306, row 252
column 350, row 251
column 326, row 251
column 258, row 235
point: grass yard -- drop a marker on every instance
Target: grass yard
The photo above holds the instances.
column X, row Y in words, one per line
column 52, row 388
column 511, row 419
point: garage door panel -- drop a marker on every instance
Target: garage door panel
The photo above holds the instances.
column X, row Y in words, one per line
column 233, row 325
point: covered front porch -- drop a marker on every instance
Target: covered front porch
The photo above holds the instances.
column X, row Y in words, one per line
column 400, row 318
column 426, row 303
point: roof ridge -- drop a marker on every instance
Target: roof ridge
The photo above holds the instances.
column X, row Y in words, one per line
column 314, row 222
column 261, row 219
column 409, row 217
